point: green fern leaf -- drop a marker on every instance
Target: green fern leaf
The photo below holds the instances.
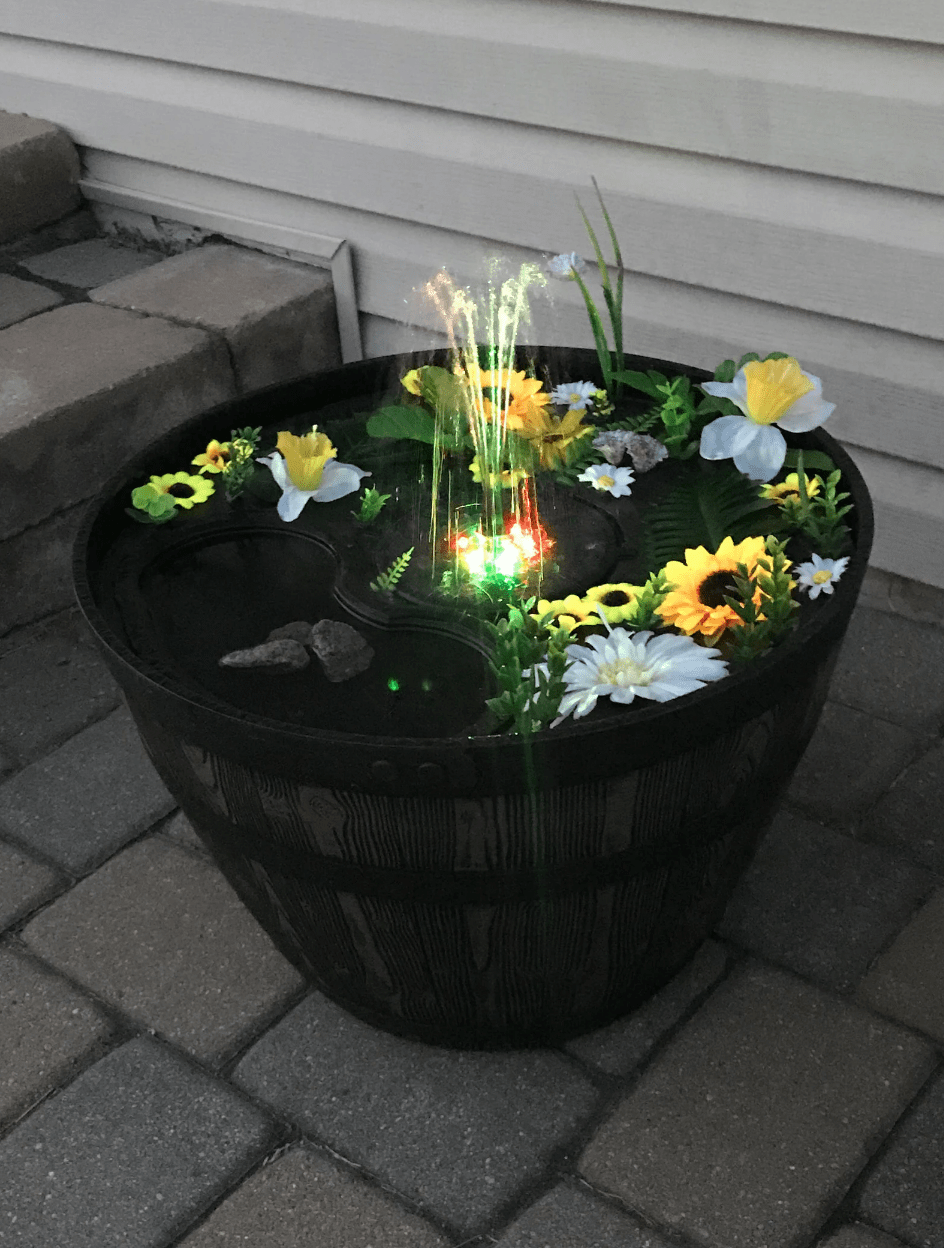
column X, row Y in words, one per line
column 703, row 512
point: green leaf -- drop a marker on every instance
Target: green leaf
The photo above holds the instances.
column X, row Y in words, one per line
column 818, row 461
column 403, row 422
column 640, row 381
column 725, row 371
column 746, row 359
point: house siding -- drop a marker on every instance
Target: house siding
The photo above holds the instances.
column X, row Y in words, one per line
column 775, row 172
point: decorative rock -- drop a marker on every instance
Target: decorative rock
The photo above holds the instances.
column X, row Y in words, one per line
column 298, row 630
column 274, row 657
column 645, row 451
column 342, row 650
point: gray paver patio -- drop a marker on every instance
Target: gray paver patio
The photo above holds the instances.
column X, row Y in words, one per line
column 89, row 263
column 907, row 981
column 24, row 883
column 909, row 816
column 893, row 668
column 130, row 1152
column 457, row 1132
column 692, row 1145
column 859, row 1236
column 904, row 1193
column 303, row 1194
column 160, row 934
column 571, row 1217
column 87, row 798
column 19, row 299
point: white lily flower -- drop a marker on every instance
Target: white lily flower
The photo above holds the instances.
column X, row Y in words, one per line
column 819, row 576
column 615, row 481
column 769, row 393
column 306, row 468
column 577, row 395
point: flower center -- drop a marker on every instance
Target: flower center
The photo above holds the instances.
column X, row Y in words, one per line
column 625, row 672
column 822, row 576
column 605, row 483
column 773, row 386
column 615, row 598
column 180, row 489
column 712, row 590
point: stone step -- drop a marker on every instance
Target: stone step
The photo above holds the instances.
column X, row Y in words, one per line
column 39, row 173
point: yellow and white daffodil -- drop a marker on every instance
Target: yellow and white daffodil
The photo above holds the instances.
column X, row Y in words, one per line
column 306, row 467
column 769, row 393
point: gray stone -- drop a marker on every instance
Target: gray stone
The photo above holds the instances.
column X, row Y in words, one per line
column 848, row 765
column 180, row 829
column 894, row 668
column 19, row 299
column 909, row 815
column 619, row 1048
column 904, row 1194
column 859, row 1236
column 39, row 173
column 80, row 387
column 458, row 1132
column 83, row 801
column 90, row 263
column 821, row 903
column 36, row 569
column 47, row 1030
column 569, row 1217
column 278, row 317
column 24, row 884
column 751, row 1124
column 302, row 1199
column 907, row 981
column 898, row 595
column 343, row 652
column 273, row 657
column 298, row 630
column 51, row 685
column 645, row 451
column 129, row 1153
column 159, row 934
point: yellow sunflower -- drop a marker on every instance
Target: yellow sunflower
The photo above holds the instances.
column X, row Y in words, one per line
column 788, row 490
column 184, row 489
column 617, row 601
column 570, row 612
column 695, row 603
column 215, row 458
column 551, row 435
column 525, row 395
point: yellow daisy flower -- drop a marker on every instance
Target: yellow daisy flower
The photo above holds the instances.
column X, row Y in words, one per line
column 215, row 458
column 788, row 490
column 570, row 612
column 184, row 489
column 617, row 601
column 695, row 603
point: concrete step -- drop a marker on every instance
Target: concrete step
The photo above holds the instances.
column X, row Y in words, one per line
column 39, row 174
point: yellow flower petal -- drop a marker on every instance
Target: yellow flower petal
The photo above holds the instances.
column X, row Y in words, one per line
column 773, row 386
column 305, row 457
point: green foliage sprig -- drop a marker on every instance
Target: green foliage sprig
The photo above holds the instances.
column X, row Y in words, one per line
column 372, row 502
column 820, row 518
column 704, row 511
column 612, row 299
column 388, row 579
column 644, row 612
column 762, row 625
column 529, row 658
column 244, row 443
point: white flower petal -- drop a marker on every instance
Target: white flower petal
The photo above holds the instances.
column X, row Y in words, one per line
column 735, row 390
column 337, row 480
column 808, row 412
column 292, row 501
column 764, row 457
column 276, row 465
column 726, row 436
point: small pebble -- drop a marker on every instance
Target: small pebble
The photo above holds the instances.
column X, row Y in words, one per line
column 342, row 650
column 274, row 657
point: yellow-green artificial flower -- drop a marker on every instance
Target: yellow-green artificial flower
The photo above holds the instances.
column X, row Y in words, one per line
column 615, row 601
column 569, row 613
column 215, row 457
column 508, row 477
column 184, row 489
column 788, row 490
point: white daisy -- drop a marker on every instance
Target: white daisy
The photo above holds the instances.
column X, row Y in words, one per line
column 566, row 265
column 769, row 393
column 577, row 395
column 820, row 575
column 627, row 665
column 615, row 481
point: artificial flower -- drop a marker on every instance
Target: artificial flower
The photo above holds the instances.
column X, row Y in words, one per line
column 507, row 478
column 614, row 602
column 215, row 458
column 184, row 489
column 576, row 395
column 624, row 666
column 615, row 481
column 565, row 265
column 158, row 504
column 551, row 435
column 820, row 575
column 306, row 468
column 411, row 381
column 520, row 397
column 695, row 603
column 788, row 490
column 769, row 393
column 569, row 613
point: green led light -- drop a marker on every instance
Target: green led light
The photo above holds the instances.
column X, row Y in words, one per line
column 426, row 686
column 393, row 684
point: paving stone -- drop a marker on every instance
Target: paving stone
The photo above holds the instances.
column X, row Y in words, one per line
column 754, row 1120
column 86, row 799
column 820, row 902
column 278, row 317
column 850, row 762
column 907, row 981
column 569, row 1217
column 892, row 667
column 457, row 1132
column 24, row 883
column 622, row 1045
column 162, row 936
column 90, row 263
column 180, row 829
column 909, row 815
column 904, row 1194
column 19, row 299
column 36, row 569
column 51, row 685
column 301, row 1199
column 129, row 1153
column 83, row 385
column 39, row 173
column 859, row 1236
column 47, row 1030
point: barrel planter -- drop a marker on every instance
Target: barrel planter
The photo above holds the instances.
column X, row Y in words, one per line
column 449, row 885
